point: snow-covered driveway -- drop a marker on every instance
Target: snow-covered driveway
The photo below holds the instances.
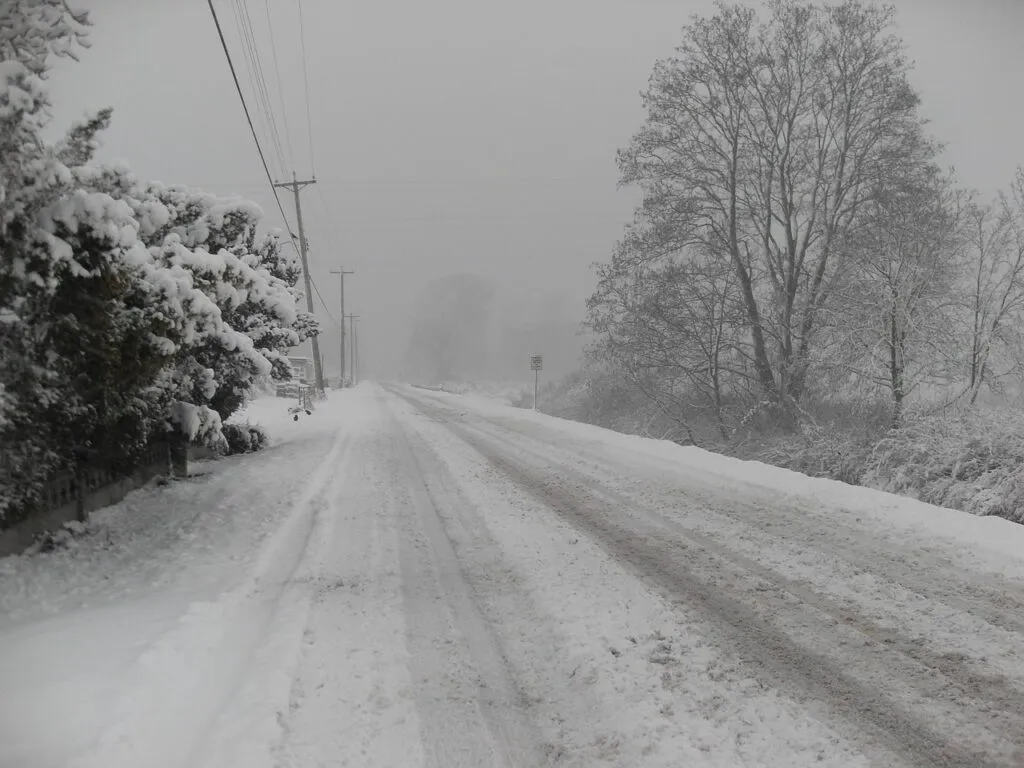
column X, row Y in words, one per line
column 418, row 579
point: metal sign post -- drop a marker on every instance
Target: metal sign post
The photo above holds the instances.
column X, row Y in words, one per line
column 536, row 365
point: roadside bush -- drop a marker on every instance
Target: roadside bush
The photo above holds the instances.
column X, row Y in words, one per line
column 820, row 452
column 972, row 462
column 244, row 438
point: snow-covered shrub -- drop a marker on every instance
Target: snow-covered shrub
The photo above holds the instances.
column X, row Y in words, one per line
column 972, row 462
column 244, row 438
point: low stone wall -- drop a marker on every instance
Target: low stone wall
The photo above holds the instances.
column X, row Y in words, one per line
column 73, row 496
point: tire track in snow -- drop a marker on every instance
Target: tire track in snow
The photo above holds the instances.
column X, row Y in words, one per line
column 981, row 628
column 253, row 724
column 789, row 517
column 473, row 714
column 902, row 731
column 987, row 598
column 350, row 702
column 964, row 685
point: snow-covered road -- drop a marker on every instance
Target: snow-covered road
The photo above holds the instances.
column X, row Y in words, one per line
column 417, row 579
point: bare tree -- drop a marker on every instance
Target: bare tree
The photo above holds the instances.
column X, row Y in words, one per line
column 670, row 321
column 900, row 302
column 993, row 285
column 762, row 144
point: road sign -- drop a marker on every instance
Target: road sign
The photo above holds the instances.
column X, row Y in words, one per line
column 536, row 365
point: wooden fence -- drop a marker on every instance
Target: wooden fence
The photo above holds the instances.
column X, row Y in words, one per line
column 73, row 495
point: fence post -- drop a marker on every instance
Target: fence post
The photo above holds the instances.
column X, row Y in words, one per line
column 80, row 491
column 179, row 457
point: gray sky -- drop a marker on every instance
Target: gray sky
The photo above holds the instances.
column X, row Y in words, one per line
column 465, row 135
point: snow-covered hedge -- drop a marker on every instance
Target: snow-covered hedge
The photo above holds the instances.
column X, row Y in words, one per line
column 129, row 310
column 244, row 438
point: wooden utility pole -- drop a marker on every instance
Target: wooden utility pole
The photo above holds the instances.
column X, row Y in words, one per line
column 295, row 185
column 352, row 348
column 341, row 274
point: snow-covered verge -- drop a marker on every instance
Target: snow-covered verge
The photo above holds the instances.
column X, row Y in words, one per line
column 125, row 647
column 888, row 510
column 973, row 461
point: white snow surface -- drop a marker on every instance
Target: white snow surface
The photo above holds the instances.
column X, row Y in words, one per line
column 410, row 578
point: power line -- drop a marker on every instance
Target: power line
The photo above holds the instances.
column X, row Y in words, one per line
column 257, row 77
column 250, row 70
column 280, row 88
column 449, row 181
column 305, row 79
column 267, row 101
column 259, row 148
column 330, row 220
column 316, row 291
column 248, row 117
column 322, row 302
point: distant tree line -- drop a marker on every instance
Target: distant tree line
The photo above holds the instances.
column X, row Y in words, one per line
column 129, row 310
column 798, row 241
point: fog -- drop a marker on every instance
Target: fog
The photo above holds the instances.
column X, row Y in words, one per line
column 461, row 137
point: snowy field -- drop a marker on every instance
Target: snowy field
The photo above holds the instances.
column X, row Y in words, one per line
column 411, row 578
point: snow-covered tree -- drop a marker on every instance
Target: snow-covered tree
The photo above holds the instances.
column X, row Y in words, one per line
column 899, row 320
column 127, row 310
column 992, row 286
column 765, row 137
column 32, row 178
column 282, row 263
column 253, row 287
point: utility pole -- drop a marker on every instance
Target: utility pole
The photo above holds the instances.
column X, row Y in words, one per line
column 341, row 274
column 295, row 185
column 352, row 358
column 355, row 355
